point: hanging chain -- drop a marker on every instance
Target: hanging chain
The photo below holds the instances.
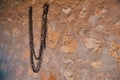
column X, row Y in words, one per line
column 43, row 39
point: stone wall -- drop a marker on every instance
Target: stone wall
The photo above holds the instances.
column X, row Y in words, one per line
column 83, row 40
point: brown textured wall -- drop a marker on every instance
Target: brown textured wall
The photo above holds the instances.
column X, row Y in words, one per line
column 83, row 40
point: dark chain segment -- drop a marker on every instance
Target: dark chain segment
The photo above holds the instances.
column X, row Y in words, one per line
column 33, row 56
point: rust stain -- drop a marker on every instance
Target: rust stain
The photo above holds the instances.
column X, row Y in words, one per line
column 48, row 75
column 52, row 76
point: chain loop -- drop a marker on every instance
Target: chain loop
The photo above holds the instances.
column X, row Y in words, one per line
column 43, row 38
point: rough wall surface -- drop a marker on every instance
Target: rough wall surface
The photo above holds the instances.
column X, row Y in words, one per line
column 83, row 40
